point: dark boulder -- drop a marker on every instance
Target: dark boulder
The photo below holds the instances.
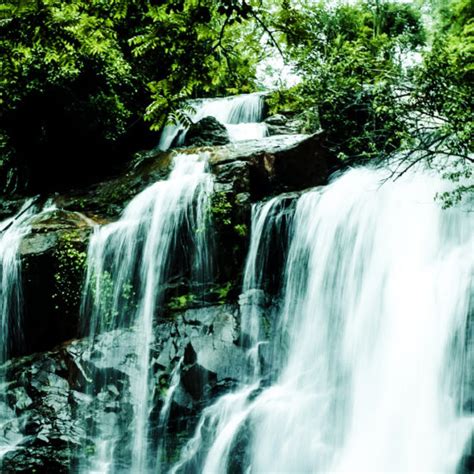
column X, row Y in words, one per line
column 207, row 132
column 279, row 124
column 50, row 406
column 53, row 257
column 273, row 165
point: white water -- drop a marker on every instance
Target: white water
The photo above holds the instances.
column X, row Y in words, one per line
column 165, row 412
column 373, row 332
column 226, row 417
column 266, row 218
column 240, row 114
column 128, row 264
column 12, row 232
column 10, row 289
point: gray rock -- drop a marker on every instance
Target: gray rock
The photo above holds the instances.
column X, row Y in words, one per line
column 50, row 407
column 281, row 125
column 207, row 132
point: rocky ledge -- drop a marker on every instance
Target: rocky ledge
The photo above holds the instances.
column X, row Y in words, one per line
column 49, row 406
column 55, row 251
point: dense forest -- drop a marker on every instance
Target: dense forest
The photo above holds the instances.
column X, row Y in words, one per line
column 86, row 84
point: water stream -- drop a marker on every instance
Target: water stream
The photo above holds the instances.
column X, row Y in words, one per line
column 368, row 366
column 12, row 232
column 242, row 115
column 129, row 262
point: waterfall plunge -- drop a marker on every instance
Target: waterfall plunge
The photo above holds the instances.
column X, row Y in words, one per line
column 371, row 340
column 241, row 115
column 129, row 262
column 12, row 232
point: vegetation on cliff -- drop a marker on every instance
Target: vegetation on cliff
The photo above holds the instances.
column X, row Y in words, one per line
column 85, row 83
column 79, row 78
column 380, row 80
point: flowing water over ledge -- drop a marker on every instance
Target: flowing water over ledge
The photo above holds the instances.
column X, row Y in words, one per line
column 242, row 116
column 11, row 232
column 368, row 366
column 351, row 351
column 129, row 262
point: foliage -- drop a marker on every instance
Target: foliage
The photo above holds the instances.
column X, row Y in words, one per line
column 349, row 58
column 197, row 40
column 181, row 303
column 222, row 292
column 285, row 101
column 78, row 78
column 65, row 80
column 443, row 101
column 71, row 263
column 221, row 208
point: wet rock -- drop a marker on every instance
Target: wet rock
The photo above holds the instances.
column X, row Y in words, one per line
column 54, row 254
column 9, row 207
column 279, row 124
column 207, row 132
column 275, row 164
column 53, row 258
column 105, row 201
column 51, row 408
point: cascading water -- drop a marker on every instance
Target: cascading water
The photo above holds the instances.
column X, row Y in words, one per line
column 241, row 115
column 224, row 418
column 11, row 233
column 371, row 337
column 129, row 262
column 269, row 224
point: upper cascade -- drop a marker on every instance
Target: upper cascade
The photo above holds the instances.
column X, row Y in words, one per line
column 241, row 114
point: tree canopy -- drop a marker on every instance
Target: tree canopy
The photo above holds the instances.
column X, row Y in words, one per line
column 85, row 83
column 79, row 78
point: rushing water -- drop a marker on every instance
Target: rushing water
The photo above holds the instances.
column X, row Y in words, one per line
column 129, row 262
column 241, row 115
column 369, row 352
column 12, row 232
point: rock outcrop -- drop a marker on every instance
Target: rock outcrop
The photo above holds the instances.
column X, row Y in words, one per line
column 47, row 391
column 279, row 124
column 207, row 132
column 54, row 253
column 54, row 257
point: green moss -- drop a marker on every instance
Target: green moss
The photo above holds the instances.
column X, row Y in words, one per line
column 181, row 303
column 222, row 292
column 241, row 230
column 266, row 325
column 105, row 297
column 221, row 208
column 71, row 261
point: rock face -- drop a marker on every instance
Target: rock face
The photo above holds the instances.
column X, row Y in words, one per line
column 45, row 381
column 207, row 132
column 279, row 124
column 47, row 391
column 53, row 261
column 275, row 164
column 54, row 253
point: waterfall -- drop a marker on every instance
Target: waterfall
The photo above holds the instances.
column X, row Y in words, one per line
column 226, row 416
column 371, row 337
column 269, row 224
column 12, row 232
column 241, row 115
column 129, row 262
